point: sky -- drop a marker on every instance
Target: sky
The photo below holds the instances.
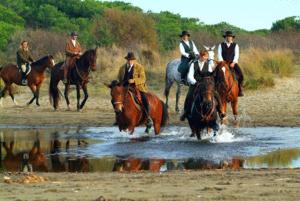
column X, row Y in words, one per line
column 247, row 14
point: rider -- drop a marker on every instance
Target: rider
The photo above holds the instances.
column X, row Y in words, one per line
column 133, row 74
column 73, row 52
column 198, row 70
column 229, row 51
column 188, row 52
column 24, row 59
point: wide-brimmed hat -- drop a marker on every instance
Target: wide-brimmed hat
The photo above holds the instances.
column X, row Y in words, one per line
column 184, row 33
column 74, row 33
column 228, row 33
column 130, row 56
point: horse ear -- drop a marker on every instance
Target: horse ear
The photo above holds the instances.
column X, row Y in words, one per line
column 213, row 47
column 207, row 48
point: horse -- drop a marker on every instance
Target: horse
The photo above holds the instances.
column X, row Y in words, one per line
column 78, row 76
column 204, row 111
column 129, row 114
column 10, row 74
column 172, row 75
column 227, row 87
column 33, row 160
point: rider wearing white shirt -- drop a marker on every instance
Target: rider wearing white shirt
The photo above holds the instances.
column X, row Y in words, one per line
column 229, row 51
column 198, row 70
column 188, row 51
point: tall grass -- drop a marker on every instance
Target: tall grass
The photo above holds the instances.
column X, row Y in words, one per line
column 261, row 66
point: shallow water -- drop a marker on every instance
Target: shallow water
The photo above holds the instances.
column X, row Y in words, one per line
column 106, row 149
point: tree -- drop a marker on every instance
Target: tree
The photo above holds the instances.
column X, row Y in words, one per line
column 286, row 24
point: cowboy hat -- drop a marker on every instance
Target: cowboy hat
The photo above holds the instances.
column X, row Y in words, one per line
column 74, row 33
column 228, row 33
column 183, row 33
column 130, row 56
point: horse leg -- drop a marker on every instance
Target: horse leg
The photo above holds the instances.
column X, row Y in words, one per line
column 2, row 94
column 167, row 90
column 198, row 134
column 37, row 94
column 178, row 92
column 234, row 106
column 86, row 95
column 78, row 97
column 11, row 94
column 33, row 89
column 66, row 93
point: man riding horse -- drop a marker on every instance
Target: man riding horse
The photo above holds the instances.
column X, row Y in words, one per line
column 188, row 52
column 198, row 70
column 24, row 59
column 73, row 52
column 229, row 51
column 132, row 74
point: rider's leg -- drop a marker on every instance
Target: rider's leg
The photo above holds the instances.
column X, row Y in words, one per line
column 23, row 69
column 188, row 103
column 147, row 111
column 240, row 78
column 66, row 66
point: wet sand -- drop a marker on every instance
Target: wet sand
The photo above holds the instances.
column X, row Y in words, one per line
column 187, row 185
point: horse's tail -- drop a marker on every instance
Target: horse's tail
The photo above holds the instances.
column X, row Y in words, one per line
column 168, row 83
column 53, row 90
column 165, row 115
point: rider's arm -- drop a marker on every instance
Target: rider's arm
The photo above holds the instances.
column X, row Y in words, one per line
column 30, row 58
column 220, row 58
column 195, row 49
column 142, row 76
column 182, row 51
column 236, row 54
column 190, row 77
column 68, row 50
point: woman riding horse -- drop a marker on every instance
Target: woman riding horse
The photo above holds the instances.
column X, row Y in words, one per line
column 198, row 70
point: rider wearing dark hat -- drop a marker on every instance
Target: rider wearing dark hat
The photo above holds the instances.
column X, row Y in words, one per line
column 229, row 51
column 133, row 74
column 73, row 52
column 188, row 52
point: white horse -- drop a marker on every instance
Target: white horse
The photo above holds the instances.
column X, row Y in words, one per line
column 172, row 75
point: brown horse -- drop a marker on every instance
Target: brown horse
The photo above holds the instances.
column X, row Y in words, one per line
column 204, row 109
column 10, row 74
column 129, row 114
column 35, row 158
column 227, row 87
column 78, row 76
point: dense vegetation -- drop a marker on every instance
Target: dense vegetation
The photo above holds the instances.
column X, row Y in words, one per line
column 122, row 26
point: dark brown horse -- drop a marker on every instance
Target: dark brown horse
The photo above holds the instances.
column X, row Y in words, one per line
column 35, row 158
column 10, row 74
column 227, row 87
column 204, row 109
column 78, row 76
column 129, row 114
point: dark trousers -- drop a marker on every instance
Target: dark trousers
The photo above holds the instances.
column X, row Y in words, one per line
column 145, row 102
column 239, row 74
column 183, row 67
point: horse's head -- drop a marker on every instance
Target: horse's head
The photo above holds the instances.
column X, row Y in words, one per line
column 222, row 72
column 204, row 99
column 211, row 53
column 91, row 58
column 117, row 92
column 50, row 62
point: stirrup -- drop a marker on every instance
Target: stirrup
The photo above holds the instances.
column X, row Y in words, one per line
column 24, row 82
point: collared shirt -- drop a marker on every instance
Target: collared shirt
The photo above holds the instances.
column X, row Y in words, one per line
column 73, row 42
column 129, row 67
column 182, row 50
column 190, row 77
column 236, row 52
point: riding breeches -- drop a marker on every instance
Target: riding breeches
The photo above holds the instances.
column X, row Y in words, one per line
column 145, row 102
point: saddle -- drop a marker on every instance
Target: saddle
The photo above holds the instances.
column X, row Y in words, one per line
column 136, row 96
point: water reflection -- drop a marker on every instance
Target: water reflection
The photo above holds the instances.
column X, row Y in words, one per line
column 104, row 150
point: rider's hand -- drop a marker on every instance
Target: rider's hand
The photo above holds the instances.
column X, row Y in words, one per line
column 79, row 53
column 131, row 81
column 232, row 64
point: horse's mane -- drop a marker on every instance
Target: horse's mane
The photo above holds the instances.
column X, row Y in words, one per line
column 41, row 61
